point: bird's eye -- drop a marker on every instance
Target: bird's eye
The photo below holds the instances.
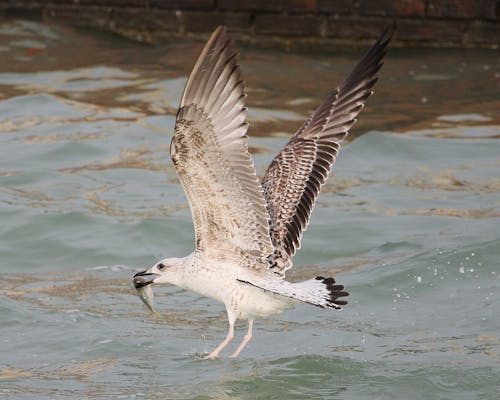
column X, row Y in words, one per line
column 161, row 266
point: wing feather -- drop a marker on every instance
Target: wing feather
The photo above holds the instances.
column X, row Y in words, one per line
column 295, row 176
column 210, row 152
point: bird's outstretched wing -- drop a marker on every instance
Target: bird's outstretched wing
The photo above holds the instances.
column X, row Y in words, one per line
column 296, row 175
column 210, row 152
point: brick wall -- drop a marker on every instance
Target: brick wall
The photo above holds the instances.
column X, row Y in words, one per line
column 292, row 23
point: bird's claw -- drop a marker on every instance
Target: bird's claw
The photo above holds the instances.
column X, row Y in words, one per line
column 210, row 356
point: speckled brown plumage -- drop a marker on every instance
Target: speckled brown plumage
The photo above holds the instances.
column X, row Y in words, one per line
column 296, row 175
column 210, row 152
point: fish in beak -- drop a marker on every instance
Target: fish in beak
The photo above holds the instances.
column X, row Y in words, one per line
column 142, row 283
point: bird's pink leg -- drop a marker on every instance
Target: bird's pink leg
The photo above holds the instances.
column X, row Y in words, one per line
column 230, row 334
column 245, row 341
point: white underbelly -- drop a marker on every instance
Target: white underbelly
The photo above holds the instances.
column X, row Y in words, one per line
column 221, row 283
column 257, row 303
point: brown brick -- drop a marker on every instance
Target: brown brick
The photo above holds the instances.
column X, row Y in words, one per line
column 105, row 3
column 356, row 27
column 33, row 12
column 465, row 9
column 146, row 20
column 307, row 6
column 184, row 4
column 288, row 25
column 194, row 21
column 439, row 31
column 255, row 5
column 22, row 9
column 483, row 32
column 335, row 6
column 392, row 8
column 21, row 3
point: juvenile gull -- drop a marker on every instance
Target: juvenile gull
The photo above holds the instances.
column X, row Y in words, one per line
column 247, row 232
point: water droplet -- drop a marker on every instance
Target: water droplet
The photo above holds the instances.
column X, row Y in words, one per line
column 419, row 279
column 462, row 270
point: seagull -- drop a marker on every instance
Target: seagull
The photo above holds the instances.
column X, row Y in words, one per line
column 246, row 231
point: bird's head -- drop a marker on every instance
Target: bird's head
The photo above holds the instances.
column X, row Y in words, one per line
column 167, row 270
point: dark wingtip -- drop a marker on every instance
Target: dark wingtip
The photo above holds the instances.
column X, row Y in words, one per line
column 386, row 37
column 335, row 292
column 390, row 30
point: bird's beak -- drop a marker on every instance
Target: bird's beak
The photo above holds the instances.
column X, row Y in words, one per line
column 144, row 278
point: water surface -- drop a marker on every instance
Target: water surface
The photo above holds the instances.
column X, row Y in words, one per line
column 409, row 222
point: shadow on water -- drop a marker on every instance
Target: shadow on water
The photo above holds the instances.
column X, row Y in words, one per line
column 408, row 222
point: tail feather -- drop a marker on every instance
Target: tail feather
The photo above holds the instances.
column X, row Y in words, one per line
column 335, row 291
column 320, row 291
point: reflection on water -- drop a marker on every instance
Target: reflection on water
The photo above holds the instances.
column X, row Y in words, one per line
column 409, row 222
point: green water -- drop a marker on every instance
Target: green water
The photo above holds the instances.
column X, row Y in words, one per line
column 409, row 223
